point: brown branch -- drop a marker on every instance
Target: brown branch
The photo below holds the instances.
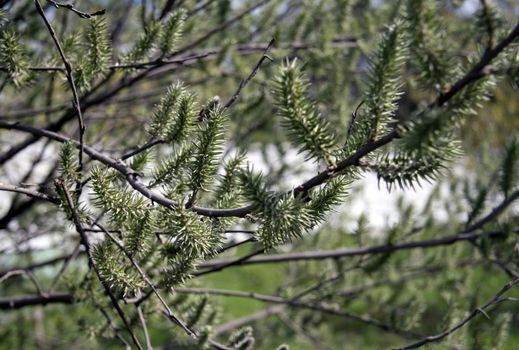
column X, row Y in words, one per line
column 256, row 316
column 63, row 268
column 142, row 320
column 26, row 273
column 111, row 324
column 140, row 149
column 76, row 11
column 219, row 266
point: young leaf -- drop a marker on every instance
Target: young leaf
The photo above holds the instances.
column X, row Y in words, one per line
column 306, row 129
column 14, row 58
column 384, row 83
column 172, row 32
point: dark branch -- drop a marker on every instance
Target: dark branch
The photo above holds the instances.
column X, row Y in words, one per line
column 76, row 11
column 32, row 300
column 496, row 299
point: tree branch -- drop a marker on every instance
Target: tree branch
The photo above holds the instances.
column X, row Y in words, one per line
column 255, row 70
column 84, row 241
column 28, row 192
column 70, row 79
column 348, row 252
column 298, row 304
column 31, row 300
column 76, row 11
column 480, row 310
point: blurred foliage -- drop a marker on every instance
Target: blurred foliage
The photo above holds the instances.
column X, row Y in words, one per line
column 338, row 46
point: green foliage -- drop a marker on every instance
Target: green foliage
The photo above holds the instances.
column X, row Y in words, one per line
column 69, row 164
column 306, row 128
column 3, row 18
column 510, row 168
column 182, row 123
column 129, row 212
column 192, row 237
column 490, row 24
column 220, row 210
column 427, row 44
column 281, row 218
column 173, row 29
column 139, row 233
column 384, row 82
column 285, row 217
column 172, row 170
column 226, row 193
column 145, row 45
column 95, row 60
column 189, row 241
column 477, row 204
column 178, row 267
column 14, row 58
column 406, row 169
column 122, row 204
column 120, row 278
column 140, row 161
column 173, row 118
column 241, row 339
column 207, row 150
column 98, row 54
column 323, row 201
column 164, row 112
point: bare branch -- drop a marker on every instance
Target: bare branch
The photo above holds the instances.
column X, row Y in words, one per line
column 496, row 299
column 76, row 11
column 298, row 304
column 28, row 192
column 255, row 70
column 30, row 300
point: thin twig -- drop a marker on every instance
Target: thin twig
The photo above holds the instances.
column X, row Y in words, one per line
column 221, row 27
column 38, row 265
column 227, row 264
column 170, row 313
column 112, row 325
column 142, row 320
column 496, row 299
column 244, row 49
column 246, row 81
column 298, row 304
column 348, row 252
column 76, row 11
column 29, row 275
column 84, row 241
column 28, row 192
column 66, row 263
column 143, row 148
column 70, row 79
